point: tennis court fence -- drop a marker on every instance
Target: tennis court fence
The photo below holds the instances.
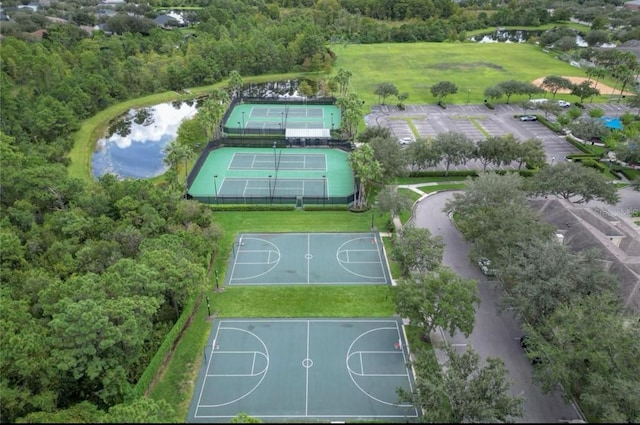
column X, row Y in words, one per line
column 290, row 100
column 299, row 201
column 265, row 143
column 251, row 142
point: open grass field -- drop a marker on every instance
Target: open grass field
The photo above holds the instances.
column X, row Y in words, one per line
column 472, row 67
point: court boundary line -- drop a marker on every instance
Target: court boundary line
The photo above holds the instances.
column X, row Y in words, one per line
column 269, row 156
column 398, row 327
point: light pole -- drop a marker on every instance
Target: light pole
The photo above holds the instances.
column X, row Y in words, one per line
column 275, row 160
column 324, row 189
column 242, row 121
column 332, row 121
column 468, row 93
column 282, row 118
column 215, row 187
column 270, row 196
column 239, row 127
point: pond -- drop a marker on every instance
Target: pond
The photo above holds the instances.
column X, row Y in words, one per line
column 521, row 36
column 134, row 144
column 506, row 36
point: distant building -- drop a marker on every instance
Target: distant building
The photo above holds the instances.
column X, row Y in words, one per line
column 632, row 5
column 32, row 6
column 617, row 239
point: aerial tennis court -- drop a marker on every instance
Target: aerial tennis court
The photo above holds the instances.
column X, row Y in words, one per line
column 280, row 116
column 264, row 175
column 307, row 258
column 293, row 370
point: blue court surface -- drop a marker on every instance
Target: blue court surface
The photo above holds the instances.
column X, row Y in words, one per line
column 293, row 370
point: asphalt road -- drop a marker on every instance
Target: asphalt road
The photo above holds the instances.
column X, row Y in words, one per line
column 494, row 334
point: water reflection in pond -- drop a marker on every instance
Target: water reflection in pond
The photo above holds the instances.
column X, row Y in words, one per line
column 134, row 144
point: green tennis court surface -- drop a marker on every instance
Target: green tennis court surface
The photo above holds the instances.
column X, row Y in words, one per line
column 307, row 258
column 296, row 370
column 265, row 175
column 281, row 116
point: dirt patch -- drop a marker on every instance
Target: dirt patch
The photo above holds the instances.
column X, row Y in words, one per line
column 605, row 90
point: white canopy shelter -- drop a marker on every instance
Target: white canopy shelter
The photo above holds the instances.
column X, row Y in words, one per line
column 308, row 133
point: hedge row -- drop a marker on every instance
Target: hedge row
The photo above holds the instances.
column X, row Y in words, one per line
column 143, row 386
column 629, row 173
column 594, row 163
column 326, row 208
column 252, row 207
column 556, row 128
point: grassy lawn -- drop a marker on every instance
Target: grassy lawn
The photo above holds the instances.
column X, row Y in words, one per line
column 451, row 186
column 470, row 66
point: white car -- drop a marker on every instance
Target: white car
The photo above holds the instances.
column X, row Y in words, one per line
column 485, row 267
column 406, row 140
column 564, row 103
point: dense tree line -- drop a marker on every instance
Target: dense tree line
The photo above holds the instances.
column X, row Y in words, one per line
column 93, row 277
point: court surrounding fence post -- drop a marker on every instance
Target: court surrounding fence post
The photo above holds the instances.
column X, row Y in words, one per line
column 324, row 189
column 215, row 187
column 275, row 158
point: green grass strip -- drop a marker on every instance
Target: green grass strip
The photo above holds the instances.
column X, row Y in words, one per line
column 477, row 125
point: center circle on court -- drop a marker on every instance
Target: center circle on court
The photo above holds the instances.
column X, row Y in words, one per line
column 307, row 363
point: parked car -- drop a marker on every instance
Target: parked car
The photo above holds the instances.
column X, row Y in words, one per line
column 564, row 103
column 524, row 343
column 406, row 140
column 485, row 267
column 528, row 118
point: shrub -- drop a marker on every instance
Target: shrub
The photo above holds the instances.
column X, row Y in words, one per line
column 629, row 173
column 556, row 128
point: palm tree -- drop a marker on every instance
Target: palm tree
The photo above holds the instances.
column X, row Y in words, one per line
column 175, row 153
column 365, row 168
column 212, row 111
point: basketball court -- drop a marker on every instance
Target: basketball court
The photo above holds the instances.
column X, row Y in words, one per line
column 293, row 370
column 307, row 259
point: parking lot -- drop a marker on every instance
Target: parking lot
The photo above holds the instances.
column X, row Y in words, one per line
column 474, row 121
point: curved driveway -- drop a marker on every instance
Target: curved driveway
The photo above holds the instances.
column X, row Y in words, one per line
column 494, row 334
